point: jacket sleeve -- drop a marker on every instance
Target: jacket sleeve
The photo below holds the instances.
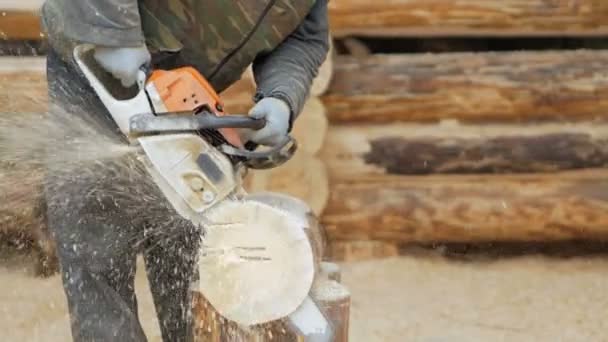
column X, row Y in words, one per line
column 288, row 71
column 103, row 22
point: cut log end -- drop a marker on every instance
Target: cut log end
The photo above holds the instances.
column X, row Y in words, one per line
column 257, row 264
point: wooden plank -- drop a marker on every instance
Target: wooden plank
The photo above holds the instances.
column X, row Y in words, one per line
column 359, row 151
column 427, row 209
column 501, row 86
column 418, row 18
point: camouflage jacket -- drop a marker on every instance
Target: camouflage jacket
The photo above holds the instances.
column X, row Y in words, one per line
column 286, row 40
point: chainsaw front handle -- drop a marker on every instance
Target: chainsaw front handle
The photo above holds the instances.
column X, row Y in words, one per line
column 146, row 123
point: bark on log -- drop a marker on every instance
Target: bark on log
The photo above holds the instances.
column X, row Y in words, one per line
column 427, row 209
column 468, row 17
column 333, row 300
column 356, row 151
column 210, row 326
column 502, row 86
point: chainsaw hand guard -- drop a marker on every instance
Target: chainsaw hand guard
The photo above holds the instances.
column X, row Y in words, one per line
column 265, row 159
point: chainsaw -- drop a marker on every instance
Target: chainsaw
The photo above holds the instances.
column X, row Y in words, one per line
column 192, row 146
column 193, row 152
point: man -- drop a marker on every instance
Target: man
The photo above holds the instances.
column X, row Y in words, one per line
column 98, row 228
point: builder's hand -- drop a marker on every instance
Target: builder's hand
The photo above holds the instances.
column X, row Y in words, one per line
column 123, row 63
column 276, row 113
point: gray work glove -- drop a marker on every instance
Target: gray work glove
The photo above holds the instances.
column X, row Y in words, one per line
column 124, row 62
column 277, row 115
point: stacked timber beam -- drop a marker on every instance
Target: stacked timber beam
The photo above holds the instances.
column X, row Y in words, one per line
column 468, row 17
column 492, row 86
column 466, row 147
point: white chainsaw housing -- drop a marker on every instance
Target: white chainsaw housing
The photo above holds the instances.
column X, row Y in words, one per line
column 194, row 169
column 191, row 173
column 265, row 239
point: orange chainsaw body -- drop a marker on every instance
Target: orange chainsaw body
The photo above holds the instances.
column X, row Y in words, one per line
column 186, row 90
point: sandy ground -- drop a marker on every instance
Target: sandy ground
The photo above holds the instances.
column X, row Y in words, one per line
column 415, row 298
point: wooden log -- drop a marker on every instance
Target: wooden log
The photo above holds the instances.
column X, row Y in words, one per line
column 468, row 17
column 210, row 326
column 357, row 151
column 333, row 299
column 480, row 208
column 23, row 85
column 20, row 25
column 360, row 250
column 257, row 263
column 501, row 86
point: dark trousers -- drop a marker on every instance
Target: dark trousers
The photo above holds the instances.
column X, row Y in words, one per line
column 102, row 214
